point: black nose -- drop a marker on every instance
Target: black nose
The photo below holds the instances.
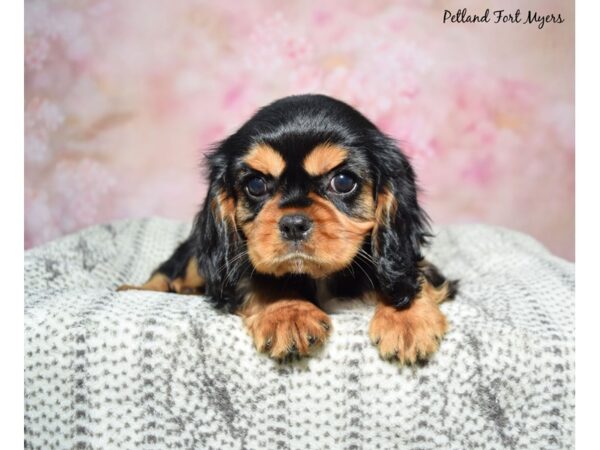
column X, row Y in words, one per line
column 295, row 227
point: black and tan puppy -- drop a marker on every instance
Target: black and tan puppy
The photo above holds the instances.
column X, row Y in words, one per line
column 309, row 200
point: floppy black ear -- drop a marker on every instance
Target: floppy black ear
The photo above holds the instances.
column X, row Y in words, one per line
column 401, row 225
column 216, row 238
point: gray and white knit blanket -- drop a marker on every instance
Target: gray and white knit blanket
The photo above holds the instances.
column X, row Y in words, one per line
column 129, row 370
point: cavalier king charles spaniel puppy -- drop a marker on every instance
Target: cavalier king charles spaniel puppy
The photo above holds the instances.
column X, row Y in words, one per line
column 309, row 201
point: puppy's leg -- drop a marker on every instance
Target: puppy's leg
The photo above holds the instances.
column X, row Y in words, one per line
column 413, row 333
column 284, row 328
column 178, row 274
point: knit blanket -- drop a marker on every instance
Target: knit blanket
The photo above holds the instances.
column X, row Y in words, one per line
column 129, row 370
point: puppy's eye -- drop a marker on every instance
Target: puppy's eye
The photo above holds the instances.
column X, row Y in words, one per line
column 342, row 183
column 256, row 187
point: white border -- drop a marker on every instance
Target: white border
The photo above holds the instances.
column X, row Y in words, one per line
column 587, row 222
column 12, row 237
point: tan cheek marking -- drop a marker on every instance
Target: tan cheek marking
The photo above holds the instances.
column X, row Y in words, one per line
column 243, row 215
column 265, row 159
column 386, row 208
column 227, row 205
column 337, row 237
column 366, row 205
column 262, row 239
column 224, row 207
column 343, row 222
column 335, row 242
column 323, row 158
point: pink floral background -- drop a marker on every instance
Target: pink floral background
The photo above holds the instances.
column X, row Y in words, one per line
column 123, row 97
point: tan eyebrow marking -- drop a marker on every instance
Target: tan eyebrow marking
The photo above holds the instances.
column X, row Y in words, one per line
column 323, row 158
column 265, row 159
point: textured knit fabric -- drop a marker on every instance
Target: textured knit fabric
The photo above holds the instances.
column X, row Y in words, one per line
column 151, row 370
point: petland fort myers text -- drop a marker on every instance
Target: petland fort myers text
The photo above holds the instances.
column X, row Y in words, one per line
column 502, row 16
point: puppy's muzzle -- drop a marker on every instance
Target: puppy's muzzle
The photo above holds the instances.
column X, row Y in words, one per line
column 295, row 227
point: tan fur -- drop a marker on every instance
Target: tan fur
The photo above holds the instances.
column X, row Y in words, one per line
column 385, row 209
column 333, row 244
column 410, row 334
column 157, row 282
column 224, row 207
column 284, row 327
column 266, row 160
column 386, row 206
column 191, row 283
column 324, row 158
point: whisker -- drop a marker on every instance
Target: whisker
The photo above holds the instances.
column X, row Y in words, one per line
column 351, row 269
column 236, row 267
column 231, row 261
column 365, row 272
column 365, row 255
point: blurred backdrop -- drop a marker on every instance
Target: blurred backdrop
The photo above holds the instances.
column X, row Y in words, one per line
column 123, row 97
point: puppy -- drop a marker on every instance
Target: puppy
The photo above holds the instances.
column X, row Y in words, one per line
column 309, row 200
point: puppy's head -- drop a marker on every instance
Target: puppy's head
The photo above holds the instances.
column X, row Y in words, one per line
column 303, row 210
column 310, row 186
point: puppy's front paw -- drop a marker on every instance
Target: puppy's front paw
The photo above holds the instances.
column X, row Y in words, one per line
column 408, row 335
column 289, row 329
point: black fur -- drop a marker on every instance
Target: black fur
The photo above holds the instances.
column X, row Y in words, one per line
column 294, row 126
column 400, row 240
